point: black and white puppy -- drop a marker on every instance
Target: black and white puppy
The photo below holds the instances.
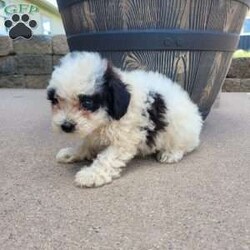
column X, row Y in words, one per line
column 119, row 114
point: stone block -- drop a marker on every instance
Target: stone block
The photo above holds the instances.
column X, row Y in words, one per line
column 8, row 65
column 231, row 85
column 240, row 68
column 245, row 85
column 6, row 46
column 37, row 81
column 236, row 85
column 60, row 45
column 36, row 45
column 12, row 81
column 34, row 64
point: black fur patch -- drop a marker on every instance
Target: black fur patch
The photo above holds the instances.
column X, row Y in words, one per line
column 156, row 113
column 116, row 95
column 113, row 95
column 51, row 96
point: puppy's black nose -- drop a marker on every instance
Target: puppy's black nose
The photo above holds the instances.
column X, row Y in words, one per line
column 68, row 127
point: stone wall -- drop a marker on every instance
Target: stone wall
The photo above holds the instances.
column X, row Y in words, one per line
column 29, row 63
column 238, row 77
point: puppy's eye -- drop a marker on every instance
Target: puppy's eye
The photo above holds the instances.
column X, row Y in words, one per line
column 90, row 102
column 87, row 103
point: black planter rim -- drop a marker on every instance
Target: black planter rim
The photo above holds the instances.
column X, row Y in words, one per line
column 155, row 40
column 62, row 4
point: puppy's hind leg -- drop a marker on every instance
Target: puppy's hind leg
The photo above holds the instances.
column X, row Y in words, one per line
column 176, row 147
column 170, row 156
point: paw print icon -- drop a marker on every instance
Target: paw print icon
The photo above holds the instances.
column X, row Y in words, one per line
column 20, row 26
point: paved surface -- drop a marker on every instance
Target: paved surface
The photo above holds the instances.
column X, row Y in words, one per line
column 201, row 203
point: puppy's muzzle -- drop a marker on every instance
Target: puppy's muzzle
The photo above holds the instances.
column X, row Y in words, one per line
column 68, row 127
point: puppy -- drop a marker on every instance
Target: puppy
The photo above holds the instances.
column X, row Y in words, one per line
column 118, row 115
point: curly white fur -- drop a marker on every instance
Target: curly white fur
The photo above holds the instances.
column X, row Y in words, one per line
column 111, row 143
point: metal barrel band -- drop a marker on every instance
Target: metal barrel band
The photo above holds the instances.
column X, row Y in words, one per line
column 63, row 4
column 154, row 40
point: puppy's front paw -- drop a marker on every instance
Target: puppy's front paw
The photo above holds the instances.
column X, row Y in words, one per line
column 92, row 177
column 66, row 155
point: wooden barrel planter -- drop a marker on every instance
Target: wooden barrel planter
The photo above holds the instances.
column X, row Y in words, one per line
column 190, row 41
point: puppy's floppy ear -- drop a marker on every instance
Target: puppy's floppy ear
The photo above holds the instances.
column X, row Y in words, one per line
column 117, row 95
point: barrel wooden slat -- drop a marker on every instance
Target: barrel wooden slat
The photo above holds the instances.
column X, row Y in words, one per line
column 102, row 15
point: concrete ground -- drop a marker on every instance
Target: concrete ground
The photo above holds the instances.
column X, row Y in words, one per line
column 202, row 202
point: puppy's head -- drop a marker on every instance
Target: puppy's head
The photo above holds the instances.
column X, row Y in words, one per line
column 85, row 94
